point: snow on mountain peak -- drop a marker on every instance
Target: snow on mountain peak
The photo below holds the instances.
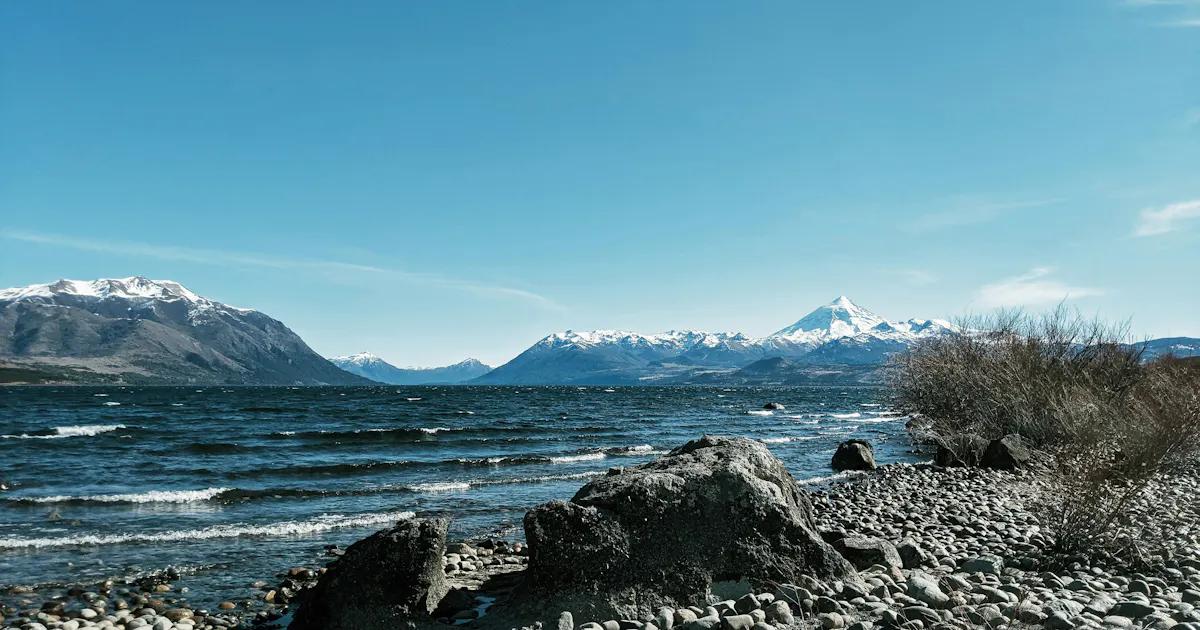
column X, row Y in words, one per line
column 840, row 318
column 362, row 358
column 131, row 288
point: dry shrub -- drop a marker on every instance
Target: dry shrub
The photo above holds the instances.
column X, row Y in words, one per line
column 1104, row 422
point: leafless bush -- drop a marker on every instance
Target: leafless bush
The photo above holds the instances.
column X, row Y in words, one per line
column 1106, row 423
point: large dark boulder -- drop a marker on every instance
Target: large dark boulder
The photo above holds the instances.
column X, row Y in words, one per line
column 959, row 450
column 661, row 534
column 383, row 581
column 1006, row 453
column 854, row 455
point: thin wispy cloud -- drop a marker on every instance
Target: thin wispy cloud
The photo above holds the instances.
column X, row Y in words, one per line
column 1034, row 288
column 1182, row 13
column 227, row 258
column 971, row 214
column 1169, row 218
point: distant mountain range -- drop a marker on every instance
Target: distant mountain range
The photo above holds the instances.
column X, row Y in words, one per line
column 370, row 366
column 840, row 340
column 140, row 331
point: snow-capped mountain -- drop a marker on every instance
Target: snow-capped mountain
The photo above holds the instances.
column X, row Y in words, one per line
column 151, row 331
column 840, row 332
column 371, row 366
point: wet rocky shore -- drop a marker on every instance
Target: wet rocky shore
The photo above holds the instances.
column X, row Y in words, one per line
column 902, row 546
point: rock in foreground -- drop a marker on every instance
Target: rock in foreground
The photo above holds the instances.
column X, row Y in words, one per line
column 391, row 577
column 660, row 534
column 854, row 455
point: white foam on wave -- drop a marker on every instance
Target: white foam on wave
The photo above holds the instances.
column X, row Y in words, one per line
column 112, row 403
column 761, row 412
column 412, row 399
column 845, row 416
column 153, row 496
column 640, row 449
column 84, row 430
column 535, row 479
column 784, row 440
column 323, row 523
column 440, row 487
column 583, row 457
column 100, row 395
column 834, row 477
column 433, row 430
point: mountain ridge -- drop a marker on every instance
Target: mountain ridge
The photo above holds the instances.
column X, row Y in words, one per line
column 840, row 332
column 141, row 331
column 371, row 366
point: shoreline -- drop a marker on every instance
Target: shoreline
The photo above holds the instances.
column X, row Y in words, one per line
column 970, row 555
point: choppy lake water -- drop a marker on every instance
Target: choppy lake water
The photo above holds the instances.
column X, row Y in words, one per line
column 237, row 484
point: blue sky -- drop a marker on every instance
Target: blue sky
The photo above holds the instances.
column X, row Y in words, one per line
column 433, row 180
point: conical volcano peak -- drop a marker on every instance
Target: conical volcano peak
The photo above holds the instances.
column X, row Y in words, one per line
column 839, row 318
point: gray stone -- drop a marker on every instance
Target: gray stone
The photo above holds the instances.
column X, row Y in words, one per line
column 854, row 455
column 924, row 588
column 866, row 552
column 911, row 553
column 382, row 581
column 779, row 612
column 1058, row 621
column 1006, row 453
column 828, row 604
column 665, row 619
column 661, row 533
column 737, row 622
column 925, row 615
column 1131, row 608
column 983, row 564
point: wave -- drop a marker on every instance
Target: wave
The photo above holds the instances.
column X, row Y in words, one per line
column 323, row 523
column 153, row 496
column 216, row 448
column 439, row 486
column 366, row 435
column 848, row 474
column 845, row 416
column 112, row 403
column 784, row 440
column 85, row 430
column 581, row 457
column 761, row 412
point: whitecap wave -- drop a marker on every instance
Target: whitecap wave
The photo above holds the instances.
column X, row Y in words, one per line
column 440, row 487
column 539, row 478
column 430, row 430
column 582, row 457
column 640, row 449
column 784, row 440
column 323, row 523
column 85, row 430
column 834, row 477
column 845, row 416
column 761, row 412
column 112, row 403
column 153, row 496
